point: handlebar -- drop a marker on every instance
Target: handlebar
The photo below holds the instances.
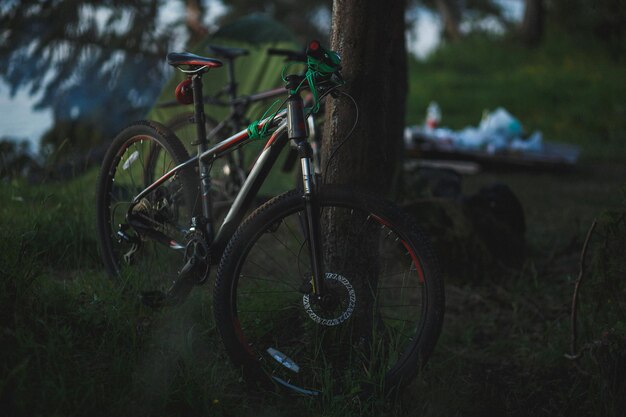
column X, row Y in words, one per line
column 315, row 49
column 290, row 55
column 324, row 65
column 322, row 60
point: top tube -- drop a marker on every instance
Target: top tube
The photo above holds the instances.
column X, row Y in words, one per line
column 241, row 137
column 227, row 145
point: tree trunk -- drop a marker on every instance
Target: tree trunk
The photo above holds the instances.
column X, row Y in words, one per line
column 370, row 38
column 531, row 30
column 450, row 18
column 195, row 27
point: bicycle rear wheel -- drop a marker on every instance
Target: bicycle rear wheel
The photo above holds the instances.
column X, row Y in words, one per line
column 379, row 321
column 145, row 245
column 227, row 175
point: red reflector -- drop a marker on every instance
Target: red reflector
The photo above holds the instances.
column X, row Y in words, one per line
column 184, row 92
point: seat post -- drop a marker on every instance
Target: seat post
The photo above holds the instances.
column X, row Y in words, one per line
column 198, row 103
column 205, row 176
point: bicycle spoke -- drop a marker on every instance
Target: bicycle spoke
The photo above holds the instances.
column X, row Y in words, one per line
column 283, row 282
column 148, row 264
column 380, row 277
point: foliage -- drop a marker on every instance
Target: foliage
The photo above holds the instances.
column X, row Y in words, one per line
column 15, row 159
column 462, row 11
column 599, row 19
column 473, row 8
column 99, row 62
column 69, row 139
column 309, row 19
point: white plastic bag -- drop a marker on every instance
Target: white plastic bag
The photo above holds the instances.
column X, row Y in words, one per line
column 501, row 122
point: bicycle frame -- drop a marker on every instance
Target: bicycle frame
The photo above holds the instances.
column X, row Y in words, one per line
column 249, row 189
column 288, row 124
column 238, row 106
column 236, row 118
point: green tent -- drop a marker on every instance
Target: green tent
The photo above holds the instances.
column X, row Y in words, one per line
column 255, row 72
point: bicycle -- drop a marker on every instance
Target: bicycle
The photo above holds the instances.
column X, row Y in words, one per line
column 231, row 174
column 320, row 290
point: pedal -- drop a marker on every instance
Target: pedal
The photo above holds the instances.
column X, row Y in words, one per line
column 128, row 256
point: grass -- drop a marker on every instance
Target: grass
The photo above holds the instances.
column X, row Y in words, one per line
column 73, row 343
column 571, row 91
column 506, row 331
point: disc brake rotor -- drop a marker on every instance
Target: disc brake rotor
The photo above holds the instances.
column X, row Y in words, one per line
column 337, row 307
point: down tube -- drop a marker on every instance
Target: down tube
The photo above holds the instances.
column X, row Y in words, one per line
column 249, row 190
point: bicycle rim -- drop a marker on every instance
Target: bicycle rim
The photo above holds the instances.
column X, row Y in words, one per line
column 144, row 259
column 368, row 331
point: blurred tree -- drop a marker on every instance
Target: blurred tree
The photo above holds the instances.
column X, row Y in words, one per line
column 454, row 12
column 600, row 20
column 194, row 20
column 97, row 62
column 370, row 37
column 16, row 159
column 531, row 29
column 449, row 11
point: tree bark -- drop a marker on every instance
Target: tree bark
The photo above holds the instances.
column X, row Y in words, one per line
column 450, row 18
column 370, row 38
column 531, row 30
column 193, row 19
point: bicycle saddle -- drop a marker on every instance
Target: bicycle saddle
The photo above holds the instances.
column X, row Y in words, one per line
column 177, row 59
column 228, row 53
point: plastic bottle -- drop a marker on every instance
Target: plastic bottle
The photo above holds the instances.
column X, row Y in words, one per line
column 433, row 115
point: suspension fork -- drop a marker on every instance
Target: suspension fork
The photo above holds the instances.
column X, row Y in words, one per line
column 297, row 131
column 312, row 211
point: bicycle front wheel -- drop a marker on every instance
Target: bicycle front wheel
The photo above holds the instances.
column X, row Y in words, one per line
column 378, row 321
column 144, row 242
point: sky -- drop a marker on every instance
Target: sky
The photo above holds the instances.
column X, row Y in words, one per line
column 19, row 120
